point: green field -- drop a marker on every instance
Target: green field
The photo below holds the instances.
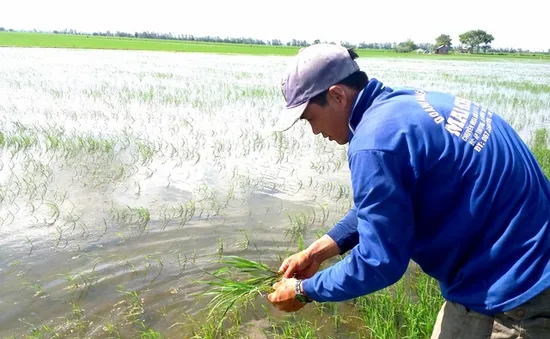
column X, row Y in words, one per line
column 17, row 39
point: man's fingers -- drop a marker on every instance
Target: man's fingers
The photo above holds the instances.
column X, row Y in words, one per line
column 278, row 284
column 293, row 308
column 273, row 298
column 290, row 270
column 284, row 266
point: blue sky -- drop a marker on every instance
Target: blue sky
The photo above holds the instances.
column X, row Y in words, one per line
column 520, row 24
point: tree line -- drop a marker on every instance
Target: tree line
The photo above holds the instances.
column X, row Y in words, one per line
column 473, row 41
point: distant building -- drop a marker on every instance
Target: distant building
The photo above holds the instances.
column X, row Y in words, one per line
column 443, row 49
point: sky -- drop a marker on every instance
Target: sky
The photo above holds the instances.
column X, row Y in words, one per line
column 518, row 25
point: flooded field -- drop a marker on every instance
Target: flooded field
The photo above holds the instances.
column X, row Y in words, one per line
column 125, row 175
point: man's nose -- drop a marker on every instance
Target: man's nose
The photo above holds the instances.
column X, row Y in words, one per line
column 315, row 130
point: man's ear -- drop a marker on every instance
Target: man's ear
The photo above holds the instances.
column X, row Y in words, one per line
column 337, row 93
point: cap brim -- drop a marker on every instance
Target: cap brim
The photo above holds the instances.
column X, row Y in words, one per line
column 289, row 116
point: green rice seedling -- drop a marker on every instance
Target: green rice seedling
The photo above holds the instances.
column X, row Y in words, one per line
column 78, row 324
column 182, row 263
column 299, row 224
column 55, row 213
column 13, row 266
column 150, row 334
column 134, row 305
column 246, row 242
column 43, row 332
column 60, row 237
column 301, row 243
column 194, row 259
column 326, row 212
column 429, row 301
column 228, row 292
column 35, row 287
column 407, row 309
column 295, row 327
column 32, row 246
column 112, row 330
column 199, row 329
column 220, row 247
column 541, row 150
column 143, row 218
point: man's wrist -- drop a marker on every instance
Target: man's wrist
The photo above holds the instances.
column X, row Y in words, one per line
column 302, row 291
column 322, row 249
column 302, row 288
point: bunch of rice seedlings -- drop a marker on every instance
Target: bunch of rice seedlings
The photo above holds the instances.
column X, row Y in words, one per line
column 237, row 283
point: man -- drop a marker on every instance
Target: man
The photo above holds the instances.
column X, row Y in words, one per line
column 436, row 179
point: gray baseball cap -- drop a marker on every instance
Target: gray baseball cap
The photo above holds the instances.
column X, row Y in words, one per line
column 313, row 70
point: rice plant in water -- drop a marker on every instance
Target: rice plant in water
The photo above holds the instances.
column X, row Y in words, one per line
column 541, row 150
column 237, row 283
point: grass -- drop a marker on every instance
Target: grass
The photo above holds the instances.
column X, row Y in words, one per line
column 230, row 289
column 50, row 40
column 541, row 149
column 16, row 39
column 406, row 310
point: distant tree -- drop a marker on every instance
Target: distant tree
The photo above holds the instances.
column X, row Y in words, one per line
column 2, row 29
column 405, row 47
column 425, row 46
column 474, row 38
column 294, row 42
column 443, row 39
column 346, row 44
column 488, row 41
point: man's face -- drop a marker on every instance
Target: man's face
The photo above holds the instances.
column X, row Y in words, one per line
column 331, row 120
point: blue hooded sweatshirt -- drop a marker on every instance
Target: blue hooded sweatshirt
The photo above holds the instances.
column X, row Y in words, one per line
column 447, row 183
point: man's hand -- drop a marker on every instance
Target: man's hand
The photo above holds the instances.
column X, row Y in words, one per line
column 306, row 263
column 302, row 265
column 284, row 296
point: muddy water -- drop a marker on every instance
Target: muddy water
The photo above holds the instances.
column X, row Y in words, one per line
column 132, row 171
